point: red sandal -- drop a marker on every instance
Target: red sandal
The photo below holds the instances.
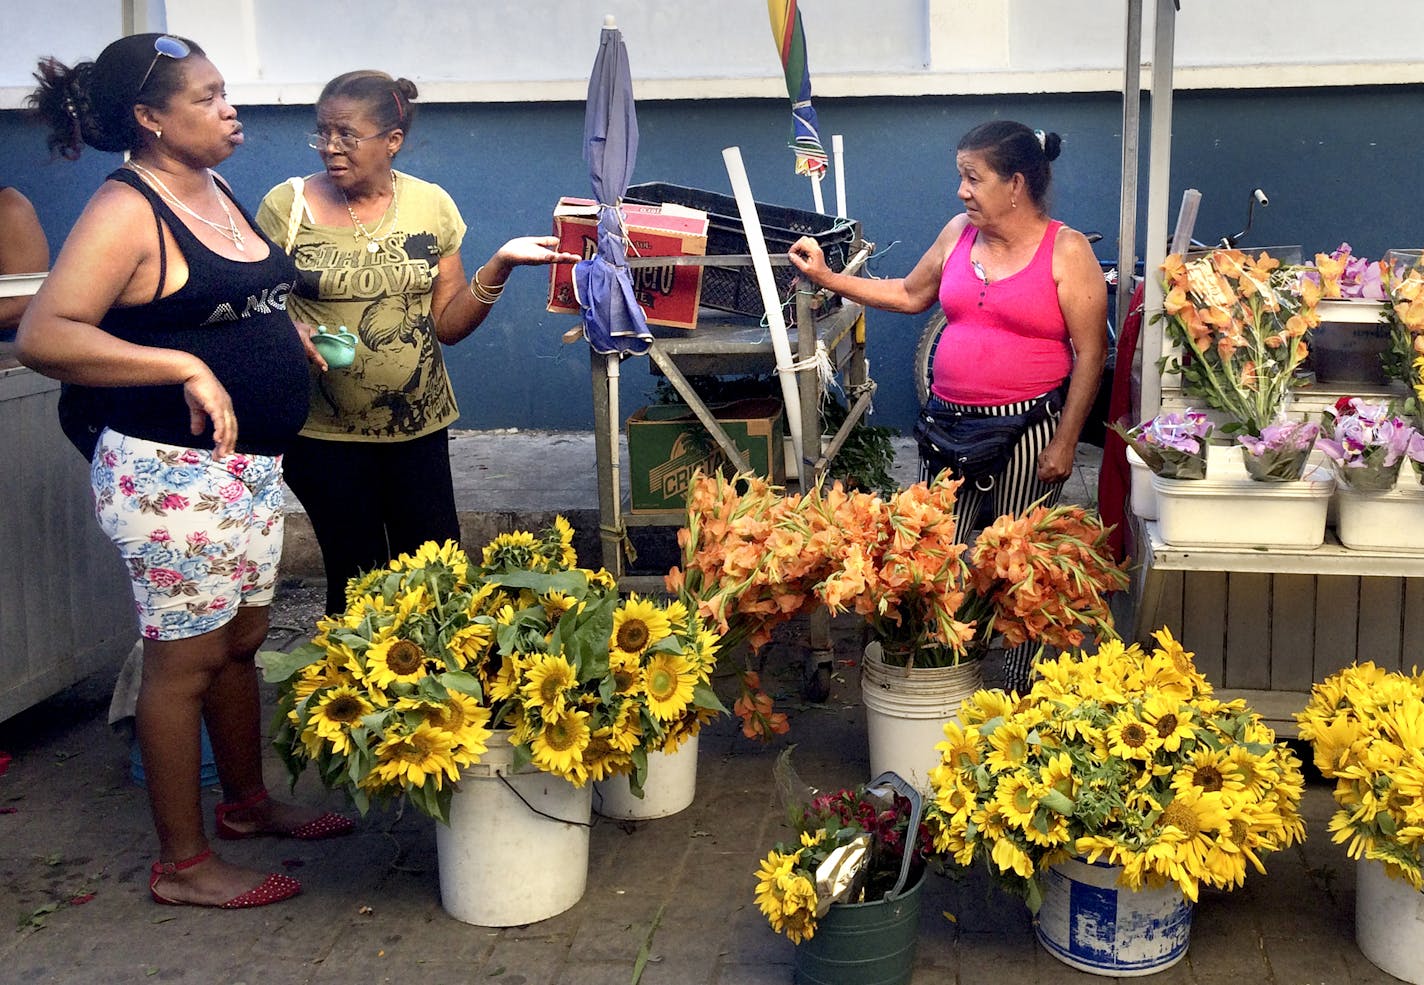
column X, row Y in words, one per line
column 329, row 825
column 275, row 888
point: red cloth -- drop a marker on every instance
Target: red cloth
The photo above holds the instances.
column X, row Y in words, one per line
column 1114, row 477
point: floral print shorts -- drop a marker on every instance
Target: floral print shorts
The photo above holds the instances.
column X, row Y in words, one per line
column 200, row 537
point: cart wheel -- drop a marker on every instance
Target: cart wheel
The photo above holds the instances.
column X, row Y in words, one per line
column 817, row 685
column 924, row 356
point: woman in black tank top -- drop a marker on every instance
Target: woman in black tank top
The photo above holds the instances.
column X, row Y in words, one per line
column 170, row 305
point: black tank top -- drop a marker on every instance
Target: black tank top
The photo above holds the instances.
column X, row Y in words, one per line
column 233, row 316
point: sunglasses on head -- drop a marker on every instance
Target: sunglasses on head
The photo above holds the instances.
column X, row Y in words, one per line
column 164, row 44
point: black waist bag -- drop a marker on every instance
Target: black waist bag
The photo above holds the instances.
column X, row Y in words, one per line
column 977, row 447
column 81, row 417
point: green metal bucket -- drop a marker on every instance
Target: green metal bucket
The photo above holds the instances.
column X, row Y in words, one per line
column 871, row 943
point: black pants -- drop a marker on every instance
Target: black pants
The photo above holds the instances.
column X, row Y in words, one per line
column 369, row 501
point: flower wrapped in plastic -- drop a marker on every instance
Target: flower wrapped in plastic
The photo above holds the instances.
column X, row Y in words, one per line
column 1124, row 756
column 397, row 694
column 1366, row 443
column 1366, row 729
column 1242, row 325
column 1172, row 445
column 1280, row 452
column 1341, row 274
column 850, row 847
column 1404, row 314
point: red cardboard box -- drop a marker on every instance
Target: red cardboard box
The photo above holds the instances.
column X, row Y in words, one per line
column 669, row 295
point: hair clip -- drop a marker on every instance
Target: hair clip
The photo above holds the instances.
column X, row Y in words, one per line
column 70, row 110
column 1042, row 139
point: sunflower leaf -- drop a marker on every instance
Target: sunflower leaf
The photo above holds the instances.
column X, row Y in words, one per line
column 278, row 666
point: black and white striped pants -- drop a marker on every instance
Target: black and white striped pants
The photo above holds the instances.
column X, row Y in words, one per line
column 1013, row 491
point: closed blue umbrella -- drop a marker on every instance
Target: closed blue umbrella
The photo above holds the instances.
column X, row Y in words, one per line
column 612, row 320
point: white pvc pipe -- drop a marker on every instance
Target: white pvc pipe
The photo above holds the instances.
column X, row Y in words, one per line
column 761, row 263
column 816, row 193
column 838, row 152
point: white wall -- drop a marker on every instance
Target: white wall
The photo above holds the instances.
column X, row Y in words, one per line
column 278, row 51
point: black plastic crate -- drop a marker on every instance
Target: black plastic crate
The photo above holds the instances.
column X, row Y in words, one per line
column 735, row 288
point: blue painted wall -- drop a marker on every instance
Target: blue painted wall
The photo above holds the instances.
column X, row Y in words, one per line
column 1338, row 163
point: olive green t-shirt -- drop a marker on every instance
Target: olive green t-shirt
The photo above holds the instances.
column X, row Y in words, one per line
column 397, row 387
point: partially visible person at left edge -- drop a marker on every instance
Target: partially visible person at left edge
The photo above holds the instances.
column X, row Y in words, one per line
column 23, row 250
column 169, row 306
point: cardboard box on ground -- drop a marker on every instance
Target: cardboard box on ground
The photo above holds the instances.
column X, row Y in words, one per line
column 667, row 444
column 669, row 295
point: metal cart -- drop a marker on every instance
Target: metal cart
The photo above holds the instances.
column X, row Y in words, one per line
column 724, row 345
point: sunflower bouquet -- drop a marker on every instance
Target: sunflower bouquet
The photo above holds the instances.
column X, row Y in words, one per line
column 1366, row 729
column 1122, row 755
column 393, row 697
column 850, row 847
column 1241, row 323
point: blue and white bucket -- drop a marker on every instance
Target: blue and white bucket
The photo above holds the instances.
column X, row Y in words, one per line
column 1089, row 922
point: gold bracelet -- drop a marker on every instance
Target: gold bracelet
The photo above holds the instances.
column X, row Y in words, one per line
column 484, row 293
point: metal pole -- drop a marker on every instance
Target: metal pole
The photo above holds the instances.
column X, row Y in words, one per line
column 1158, row 187
column 1131, row 131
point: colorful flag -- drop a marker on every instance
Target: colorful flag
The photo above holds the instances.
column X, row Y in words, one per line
column 791, row 43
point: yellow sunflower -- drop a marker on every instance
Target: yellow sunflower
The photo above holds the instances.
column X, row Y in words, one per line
column 627, row 673
column 547, row 679
column 1131, row 738
column 627, row 728
column 394, row 661
column 336, row 712
column 515, row 550
column 411, row 758
column 669, row 680
column 559, row 747
column 787, row 898
column 637, row 625
column 1170, row 718
column 1008, row 748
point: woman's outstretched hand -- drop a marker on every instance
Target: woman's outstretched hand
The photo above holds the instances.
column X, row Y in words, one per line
column 532, row 251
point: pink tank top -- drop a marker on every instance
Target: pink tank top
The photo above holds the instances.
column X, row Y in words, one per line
column 1005, row 341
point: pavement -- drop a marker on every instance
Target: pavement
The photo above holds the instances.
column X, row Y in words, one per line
column 76, row 842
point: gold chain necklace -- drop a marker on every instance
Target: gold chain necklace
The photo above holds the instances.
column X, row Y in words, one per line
column 373, row 242
column 230, row 231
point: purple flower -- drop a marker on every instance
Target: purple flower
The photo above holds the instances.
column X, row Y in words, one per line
column 1367, row 434
column 1184, row 431
column 1295, row 436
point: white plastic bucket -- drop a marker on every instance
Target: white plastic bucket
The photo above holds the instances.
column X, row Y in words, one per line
column 1144, row 497
column 1242, row 512
column 905, row 712
column 503, row 862
column 1389, row 922
column 1089, row 922
column 670, row 787
column 1386, row 521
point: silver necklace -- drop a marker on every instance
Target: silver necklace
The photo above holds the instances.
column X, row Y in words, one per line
column 373, row 242
column 230, row 231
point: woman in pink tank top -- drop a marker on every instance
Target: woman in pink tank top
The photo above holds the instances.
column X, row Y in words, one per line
column 1025, row 308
